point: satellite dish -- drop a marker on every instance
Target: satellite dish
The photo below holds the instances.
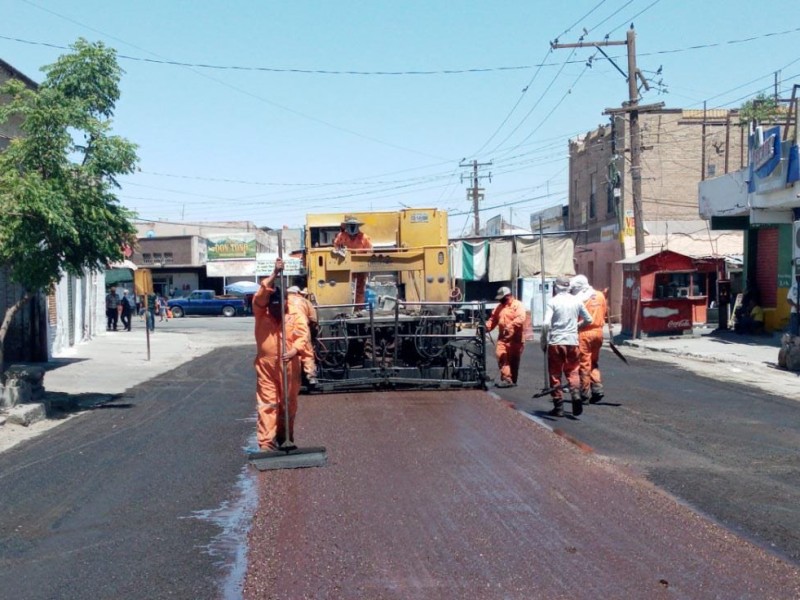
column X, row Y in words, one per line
column 150, row 233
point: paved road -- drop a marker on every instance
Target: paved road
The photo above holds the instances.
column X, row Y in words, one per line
column 129, row 500
column 731, row 451
column 450, row 495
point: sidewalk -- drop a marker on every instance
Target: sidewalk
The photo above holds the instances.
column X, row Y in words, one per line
column 725, row 355
column 95, row 372
column 711, row 345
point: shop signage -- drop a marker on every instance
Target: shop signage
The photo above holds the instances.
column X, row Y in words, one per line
column 630, row 223
column 763, row 154
column 231, row 245
column 265, row 264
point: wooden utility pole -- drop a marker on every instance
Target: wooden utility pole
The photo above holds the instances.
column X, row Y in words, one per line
column 474, row 192
column 633, row 108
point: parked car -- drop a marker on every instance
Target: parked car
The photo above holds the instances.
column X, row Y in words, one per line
column 205, row 302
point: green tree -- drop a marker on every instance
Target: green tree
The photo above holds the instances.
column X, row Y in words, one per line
column 761, row 109
column 58, row 180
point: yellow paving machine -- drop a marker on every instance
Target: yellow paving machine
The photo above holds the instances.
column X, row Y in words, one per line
column 406, row 331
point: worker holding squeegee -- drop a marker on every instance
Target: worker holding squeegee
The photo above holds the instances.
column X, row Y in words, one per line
column 272, row 314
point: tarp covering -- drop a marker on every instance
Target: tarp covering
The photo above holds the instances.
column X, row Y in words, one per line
column 558, row 256
column 469, row 260
column 501, row 260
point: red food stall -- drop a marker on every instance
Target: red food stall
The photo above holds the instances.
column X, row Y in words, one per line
column 660, row 294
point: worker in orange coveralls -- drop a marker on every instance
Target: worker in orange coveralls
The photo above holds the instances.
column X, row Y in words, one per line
column 509, row 317
column 270, row 358
column 590, row 338
column 352, row 238
column 304, row 306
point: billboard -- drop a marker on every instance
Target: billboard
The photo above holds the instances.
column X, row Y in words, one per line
column 231, row 245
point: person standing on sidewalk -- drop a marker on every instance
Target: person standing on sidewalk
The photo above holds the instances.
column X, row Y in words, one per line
column 794, row 300
column 509, row 318
column 112, row 306
column 270, row 358
column 560, row 341
column 127, row 310
column 304, row 306
column 590, row 338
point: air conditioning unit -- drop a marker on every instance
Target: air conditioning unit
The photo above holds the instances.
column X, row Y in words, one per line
column 796, row 243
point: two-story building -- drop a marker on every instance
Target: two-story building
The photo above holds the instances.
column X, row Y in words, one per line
column 679, row 149
column 183, row 256
column 762, row 199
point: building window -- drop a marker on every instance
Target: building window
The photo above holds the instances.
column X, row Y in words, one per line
column 147, row 258
column 592, row 197
column 168, row 258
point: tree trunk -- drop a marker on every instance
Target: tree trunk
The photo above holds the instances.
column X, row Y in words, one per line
column 9, row 316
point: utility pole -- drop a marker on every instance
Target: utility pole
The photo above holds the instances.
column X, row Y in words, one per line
column 474, row 192
column 633, row 108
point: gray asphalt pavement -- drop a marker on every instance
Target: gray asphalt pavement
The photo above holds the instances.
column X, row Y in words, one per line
column 712, row 421
column 136, row 491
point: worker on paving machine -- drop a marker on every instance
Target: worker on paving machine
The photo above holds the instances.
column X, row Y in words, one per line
column 560, row 341
column 269, row 325
column 352, row 238
column 509, row 318
column 298, row 301
column 590, row 338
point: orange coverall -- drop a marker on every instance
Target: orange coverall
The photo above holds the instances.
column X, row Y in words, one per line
column 269, row 368
column 590, row 340
column 304, row 307
column 510, row 318
column 359, row 241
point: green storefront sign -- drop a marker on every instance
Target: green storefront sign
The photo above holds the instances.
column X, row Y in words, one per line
column 228, row 246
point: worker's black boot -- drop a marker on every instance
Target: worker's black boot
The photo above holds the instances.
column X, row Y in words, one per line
column 558, row 408
column 597, row 394
column 577, row 403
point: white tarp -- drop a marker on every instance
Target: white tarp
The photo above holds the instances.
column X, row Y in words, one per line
column 501, row 260
column 559, row 253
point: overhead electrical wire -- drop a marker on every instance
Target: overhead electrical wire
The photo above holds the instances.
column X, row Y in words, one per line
column 409, row 72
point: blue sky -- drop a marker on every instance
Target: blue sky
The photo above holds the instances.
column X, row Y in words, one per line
column 253, row 140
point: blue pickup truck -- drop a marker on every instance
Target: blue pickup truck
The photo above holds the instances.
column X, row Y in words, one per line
column 205, row 302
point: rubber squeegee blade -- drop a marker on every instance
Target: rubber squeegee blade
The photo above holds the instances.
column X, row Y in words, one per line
column 298, row 458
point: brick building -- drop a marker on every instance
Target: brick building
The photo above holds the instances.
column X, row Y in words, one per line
column 679, row 149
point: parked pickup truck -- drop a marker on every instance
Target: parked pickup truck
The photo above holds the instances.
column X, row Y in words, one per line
column 205, row 302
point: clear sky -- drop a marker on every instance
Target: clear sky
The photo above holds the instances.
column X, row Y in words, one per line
column 323, row 106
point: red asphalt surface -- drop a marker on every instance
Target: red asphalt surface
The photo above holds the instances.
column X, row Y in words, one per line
column 454, row 495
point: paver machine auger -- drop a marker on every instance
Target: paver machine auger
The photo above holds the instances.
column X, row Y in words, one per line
column 407, row 333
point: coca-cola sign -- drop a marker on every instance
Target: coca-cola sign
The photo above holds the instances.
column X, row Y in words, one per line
column 682, row 324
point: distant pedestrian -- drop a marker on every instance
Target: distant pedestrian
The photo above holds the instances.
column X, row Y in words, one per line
column 793, row 297
column 509, row 318
column 112, row 308
column 560, row 341
column 127, row 310
column 162, row 308
column 590, row 338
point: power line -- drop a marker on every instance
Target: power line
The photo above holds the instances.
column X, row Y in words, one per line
column 409, row 72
